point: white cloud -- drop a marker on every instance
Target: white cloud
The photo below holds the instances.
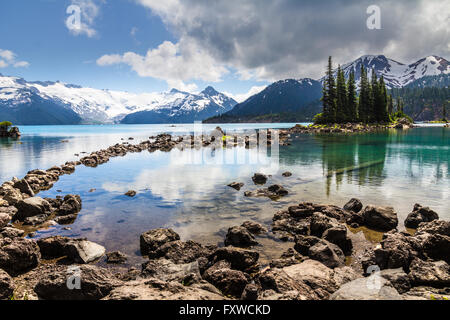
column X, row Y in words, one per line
column 272, row 40
column 8, row 58
column 81, row 21
column 176, row 63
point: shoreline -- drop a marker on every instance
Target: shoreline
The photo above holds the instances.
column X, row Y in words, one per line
column 297, row 225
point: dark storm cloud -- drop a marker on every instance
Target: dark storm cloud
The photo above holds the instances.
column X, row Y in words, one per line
column 292, row 38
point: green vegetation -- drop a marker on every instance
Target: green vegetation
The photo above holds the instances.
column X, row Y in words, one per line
column 340, row 102
column 422, row 104
column 5, row 124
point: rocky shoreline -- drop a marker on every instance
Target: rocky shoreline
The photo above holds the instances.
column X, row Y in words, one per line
column 324, row 261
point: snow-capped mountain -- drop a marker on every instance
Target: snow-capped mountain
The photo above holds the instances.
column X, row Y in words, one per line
column 100, row 106
column 397, row 74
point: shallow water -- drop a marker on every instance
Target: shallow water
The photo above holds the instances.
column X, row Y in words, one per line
column 395, row 168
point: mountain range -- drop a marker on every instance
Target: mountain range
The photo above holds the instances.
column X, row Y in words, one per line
column 29, row 103
column 300, row 99
column 25, row 102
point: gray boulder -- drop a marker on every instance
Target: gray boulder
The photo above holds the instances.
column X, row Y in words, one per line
column 32, row 207
column 151, row 240
column 374, row 287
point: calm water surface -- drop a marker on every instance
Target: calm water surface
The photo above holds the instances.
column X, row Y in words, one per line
column 395, row 168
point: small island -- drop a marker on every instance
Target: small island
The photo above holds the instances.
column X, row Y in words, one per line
column 8, row 131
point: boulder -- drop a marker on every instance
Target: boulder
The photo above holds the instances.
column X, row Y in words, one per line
column 250, row 293
column 131, row 193
column 181, row 252
column 287, row 174
column 398, row 278
column 4, row 220
column 32, row 207
column 18, row 255
column 327, row 253
column 354, row 205
column 239, row 259
column 276, row 284
column 338, row 236
column 236, row 185
column 154, row 289
column 374, row 287
column 11, row 233
column 6, row 285
column 380, row 218
column 254, row 228
column 323, row 280
column 435, row 227
column 12, row 196
column 95, row 283
column 24, row 187
column 420, row 214
column 83, row 251
column 259, row 178
column 35, row 220
column 230, row 282
column 76, row 250
column 166, row 270
column 240, row 237
column 151, row 240
column 437, row 247
column 71, row 204
column 116, row 257
column 430, row 273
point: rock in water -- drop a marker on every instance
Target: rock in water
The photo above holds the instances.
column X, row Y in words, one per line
column 420, row 214
column 24, row 187
column 380, row 218
column 354, row 205
column 236, row 185
column 151, row 240
column 32, row 207
column 131, row 193
column 230, row 282
column 259, row 178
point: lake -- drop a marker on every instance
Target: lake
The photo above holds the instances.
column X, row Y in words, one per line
column 392, row 168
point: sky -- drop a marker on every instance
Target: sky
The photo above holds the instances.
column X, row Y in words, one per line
column 237, row 46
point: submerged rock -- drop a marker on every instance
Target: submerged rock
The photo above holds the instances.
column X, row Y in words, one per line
column 254, row 228
column 131, row 193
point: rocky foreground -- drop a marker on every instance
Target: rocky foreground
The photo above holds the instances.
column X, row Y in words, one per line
column 323, row 262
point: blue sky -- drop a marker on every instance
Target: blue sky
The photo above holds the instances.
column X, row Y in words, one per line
column 35, row 31
column 237, row 46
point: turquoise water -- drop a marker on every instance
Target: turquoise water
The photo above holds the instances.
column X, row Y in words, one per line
column 395, row 168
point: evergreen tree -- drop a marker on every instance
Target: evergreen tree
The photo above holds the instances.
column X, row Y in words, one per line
column 374, row 98
column 364, row 97
column 329, row 95
column 382, row 102
column 390, row 105
column 342, row 112
column 352, row 103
